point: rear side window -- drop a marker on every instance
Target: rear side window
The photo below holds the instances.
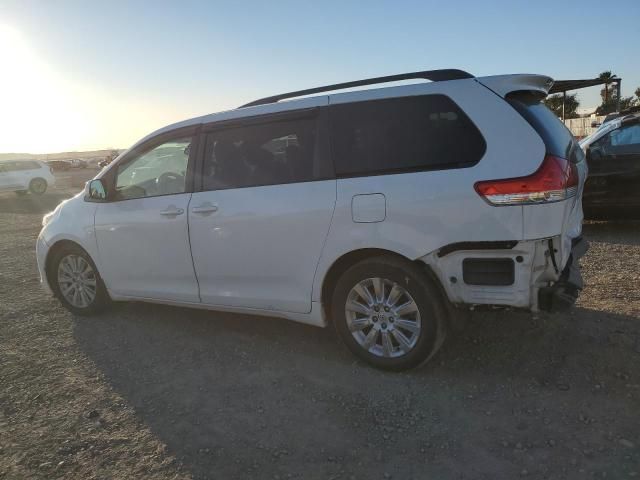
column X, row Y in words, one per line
column 556, row 137
column 428, row 132
column 20, row 166
column 269, row 153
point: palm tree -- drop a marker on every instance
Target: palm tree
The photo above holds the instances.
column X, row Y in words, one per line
column 607, row 77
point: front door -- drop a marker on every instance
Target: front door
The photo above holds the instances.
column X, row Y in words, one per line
column 142, row 232
column 258, row 227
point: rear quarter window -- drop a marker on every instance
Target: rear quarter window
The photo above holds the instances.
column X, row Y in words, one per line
column 32, row 165
column 556, row 136
column 427, row 132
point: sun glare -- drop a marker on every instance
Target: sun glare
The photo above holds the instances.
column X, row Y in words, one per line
column 37, row 111
column 46, row 110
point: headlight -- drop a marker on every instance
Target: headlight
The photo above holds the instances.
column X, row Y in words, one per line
column 47, row 218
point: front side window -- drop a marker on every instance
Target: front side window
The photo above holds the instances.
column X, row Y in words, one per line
column 263, row 154
column 31, row 165
column 427, row 132
column 621, row 137
column 159, row 171
column 629, row 135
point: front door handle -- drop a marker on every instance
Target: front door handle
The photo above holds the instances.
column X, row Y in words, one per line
column 205, row 209
column 172, row 211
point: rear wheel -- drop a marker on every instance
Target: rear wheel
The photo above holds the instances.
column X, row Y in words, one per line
column 38, row 186
column 388, row 312
column 76, row 282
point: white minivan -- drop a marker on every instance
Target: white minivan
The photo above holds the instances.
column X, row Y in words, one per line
column 376, row 210
column 23, row 176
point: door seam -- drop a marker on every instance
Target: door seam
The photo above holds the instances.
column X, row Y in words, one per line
column 193, row 265
column 324, row 243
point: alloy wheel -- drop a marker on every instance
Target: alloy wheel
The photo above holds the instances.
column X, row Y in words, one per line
column 77, row 281
column 383, row 317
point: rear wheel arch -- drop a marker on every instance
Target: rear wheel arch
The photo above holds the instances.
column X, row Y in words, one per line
column 343, row 263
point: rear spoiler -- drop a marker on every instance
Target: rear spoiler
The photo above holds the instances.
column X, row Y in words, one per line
column 505, row 84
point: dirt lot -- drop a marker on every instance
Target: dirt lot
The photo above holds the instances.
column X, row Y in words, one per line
column 158, row 392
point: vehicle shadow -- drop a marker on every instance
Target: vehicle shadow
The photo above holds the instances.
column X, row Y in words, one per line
column 26, row 204
column 242, row 396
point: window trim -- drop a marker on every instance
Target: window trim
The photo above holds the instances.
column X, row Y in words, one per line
column 323, row 150
column 403, row 170
column 193, row 131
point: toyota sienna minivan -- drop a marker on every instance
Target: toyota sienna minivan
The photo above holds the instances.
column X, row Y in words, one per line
column 376, row 210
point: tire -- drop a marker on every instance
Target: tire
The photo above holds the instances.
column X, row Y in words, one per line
column 420, row 334
column 61, row 278
column 38, row 186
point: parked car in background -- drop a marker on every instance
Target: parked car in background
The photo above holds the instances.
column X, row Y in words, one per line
column 22, row 176
column 106, row 161
column 78, row 163
column 613, row 157
column 376, row 210
column 614, row 115
column 109, row 158
column 59, row 165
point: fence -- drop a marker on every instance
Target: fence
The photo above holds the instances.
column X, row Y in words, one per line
column 581, row 127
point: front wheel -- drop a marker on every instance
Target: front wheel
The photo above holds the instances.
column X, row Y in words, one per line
column 76, row 282
column 389, row 313
column 38, row 186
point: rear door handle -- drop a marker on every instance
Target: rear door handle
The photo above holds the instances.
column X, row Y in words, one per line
column 205, row 209
column 172, row 211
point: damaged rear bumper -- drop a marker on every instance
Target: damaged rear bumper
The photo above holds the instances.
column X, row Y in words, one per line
column 564, row 293
column 527, row 274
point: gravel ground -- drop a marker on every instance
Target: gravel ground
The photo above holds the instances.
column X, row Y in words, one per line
column 148, row 391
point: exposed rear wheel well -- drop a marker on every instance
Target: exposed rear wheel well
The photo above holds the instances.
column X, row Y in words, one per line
column 347, row 260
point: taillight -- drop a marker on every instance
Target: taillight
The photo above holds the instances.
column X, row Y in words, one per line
column 555, row 180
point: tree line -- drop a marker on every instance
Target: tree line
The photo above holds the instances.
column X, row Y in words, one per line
column 608, row 93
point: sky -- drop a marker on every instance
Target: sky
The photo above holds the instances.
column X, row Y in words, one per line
column 81, row 75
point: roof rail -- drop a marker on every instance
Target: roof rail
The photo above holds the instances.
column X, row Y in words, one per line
column 433, row 75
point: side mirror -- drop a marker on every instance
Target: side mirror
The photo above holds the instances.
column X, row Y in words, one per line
column 595, row 124
column 97, row 190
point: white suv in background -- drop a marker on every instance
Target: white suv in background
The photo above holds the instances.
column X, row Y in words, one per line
column 377, row 210
column 22, row 176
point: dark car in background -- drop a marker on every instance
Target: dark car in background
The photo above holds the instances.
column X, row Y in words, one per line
column 59, row 165
column 78, row 163
column 613, row 156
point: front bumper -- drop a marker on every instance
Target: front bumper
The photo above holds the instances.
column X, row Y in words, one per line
column 563, row 294
column 41, row 255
